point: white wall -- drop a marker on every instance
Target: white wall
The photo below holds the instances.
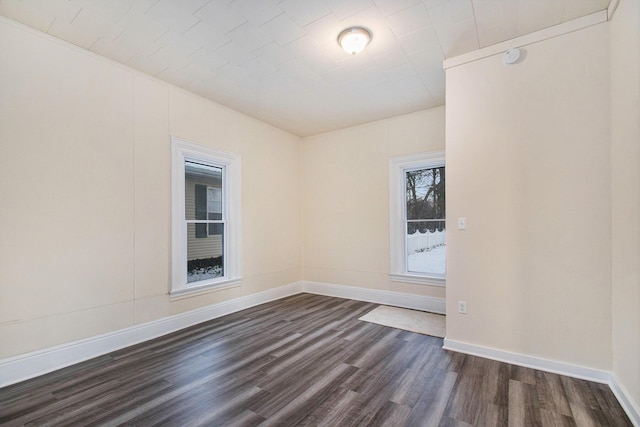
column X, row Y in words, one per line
column 345, row 176
column 528, row 161
column 625, row 180
column 85, row 191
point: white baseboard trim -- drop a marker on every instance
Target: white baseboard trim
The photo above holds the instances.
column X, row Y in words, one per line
column 541, row 364
column 630, row 407
column 398, row 299
column 581, row 372
column 30, row 365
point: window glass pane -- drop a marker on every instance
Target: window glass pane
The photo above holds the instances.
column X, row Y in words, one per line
column 203, row 191
column 205, row 254
column 425, row 193
column 216, row 229
column 426, row 243
column 214, row 203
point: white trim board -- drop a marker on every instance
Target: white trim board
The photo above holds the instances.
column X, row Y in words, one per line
column 620, row 392
column 566, row 369
column 30, row 365
column 398, row 299
column 528, row 39
column 541, row 364
column 611, row 10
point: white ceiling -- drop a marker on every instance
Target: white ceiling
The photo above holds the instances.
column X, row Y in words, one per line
column 278, row 60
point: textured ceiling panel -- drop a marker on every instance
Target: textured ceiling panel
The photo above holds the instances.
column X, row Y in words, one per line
column 279, row 61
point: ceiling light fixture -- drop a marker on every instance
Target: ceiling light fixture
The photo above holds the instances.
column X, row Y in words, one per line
column 353, row 40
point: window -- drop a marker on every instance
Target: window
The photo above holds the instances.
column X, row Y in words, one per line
column 205, row 217
column 417, row 218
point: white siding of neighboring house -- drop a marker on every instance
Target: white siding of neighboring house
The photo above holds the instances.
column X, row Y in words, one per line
column 198, row 247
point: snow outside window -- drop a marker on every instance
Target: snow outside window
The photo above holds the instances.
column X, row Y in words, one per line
column 417, row 218
column 205, row 218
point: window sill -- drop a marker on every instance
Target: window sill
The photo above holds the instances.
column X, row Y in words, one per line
column 420, row 280
column 204, row 289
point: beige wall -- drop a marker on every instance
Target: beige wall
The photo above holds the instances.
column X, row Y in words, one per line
column 625, row 177
column 345, row 177
column 528, row 166
column 85, row 190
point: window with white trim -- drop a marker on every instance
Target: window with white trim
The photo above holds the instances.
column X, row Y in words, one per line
column 417, row 218
column 205, row 217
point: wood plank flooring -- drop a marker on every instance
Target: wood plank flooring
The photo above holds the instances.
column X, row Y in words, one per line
column 303, row 361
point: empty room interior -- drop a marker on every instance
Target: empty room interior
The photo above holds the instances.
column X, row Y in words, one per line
column 200, row 200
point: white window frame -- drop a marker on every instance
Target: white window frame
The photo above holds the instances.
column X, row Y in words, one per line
column 397, row 211
column 181, row 151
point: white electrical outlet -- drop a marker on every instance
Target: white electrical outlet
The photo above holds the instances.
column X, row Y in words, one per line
column 462, row 307
column 462, row 223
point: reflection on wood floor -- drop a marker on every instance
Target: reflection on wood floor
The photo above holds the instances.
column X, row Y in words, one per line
column 303, row 360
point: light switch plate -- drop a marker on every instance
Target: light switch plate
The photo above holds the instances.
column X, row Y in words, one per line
column 462, row 307
column 462, row 223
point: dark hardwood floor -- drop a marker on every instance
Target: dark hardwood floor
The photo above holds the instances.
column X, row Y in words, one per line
column 304, row 360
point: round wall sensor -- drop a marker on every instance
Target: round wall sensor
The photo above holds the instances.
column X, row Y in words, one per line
column 511, row 56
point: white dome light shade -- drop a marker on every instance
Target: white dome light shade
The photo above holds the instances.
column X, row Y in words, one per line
column 353, row 40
